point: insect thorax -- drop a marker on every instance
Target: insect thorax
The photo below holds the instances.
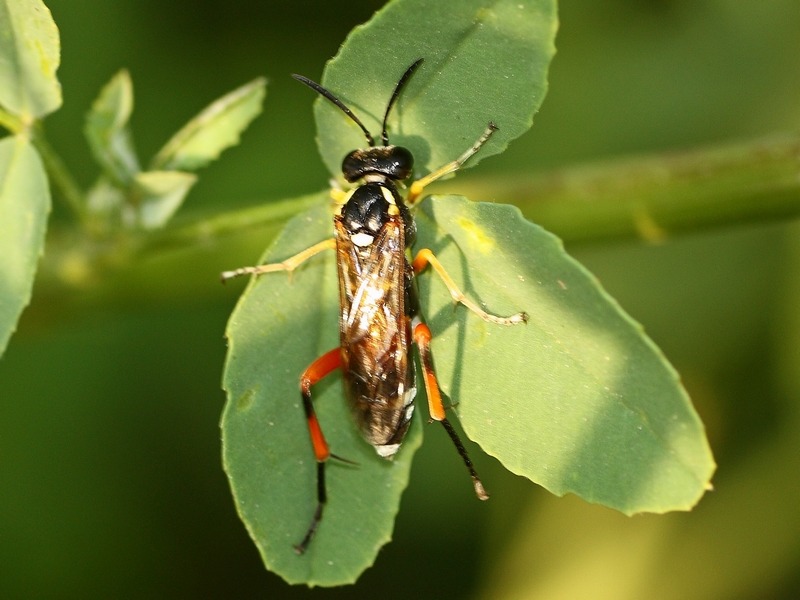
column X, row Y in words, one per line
column 369, row 207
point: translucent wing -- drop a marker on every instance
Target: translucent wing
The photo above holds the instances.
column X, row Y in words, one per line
column 375, row 333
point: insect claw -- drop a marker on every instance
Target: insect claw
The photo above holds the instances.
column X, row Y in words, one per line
column 480, row 491
column 301, row 548
column 225, row 275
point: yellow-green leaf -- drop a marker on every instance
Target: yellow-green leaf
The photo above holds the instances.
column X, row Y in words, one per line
column 24, row 206
column 108, row 133
column 579, row 400
column 30, row 52
column 158, row 194
column 215, row 129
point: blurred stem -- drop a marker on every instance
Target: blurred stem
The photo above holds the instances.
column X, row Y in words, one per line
column 59, row 175
column 62, row 179
column 10, row 122
column 230, row 222
column 654, row 197
column 647, row 198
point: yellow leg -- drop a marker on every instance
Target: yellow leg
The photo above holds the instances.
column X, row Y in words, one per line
column 420, row 184
column 425, row 257
column 289, row 265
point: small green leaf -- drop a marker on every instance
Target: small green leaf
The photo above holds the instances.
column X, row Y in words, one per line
column 108, row 133
column 158, row 194
column 484, row 61
column 281, row 324
column 106, row 202
column 24, row 206
column 29, row 56
column 578, row 400
column 215, row 129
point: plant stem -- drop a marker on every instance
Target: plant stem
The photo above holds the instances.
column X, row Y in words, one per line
column 62, row 178
column 647, row 198
column 654, row 197
column 650, row 197
column 10, row 122
column 230, row 222
column 58, row 172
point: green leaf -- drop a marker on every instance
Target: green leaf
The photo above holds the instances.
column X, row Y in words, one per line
column 108, row 133
column 279, row 327
column 24, row 206
column 158, row 194
column 149, row 199
column 215, row 129
column 106, row 201
column 29, row 57
column 579, row 400
column 484, row 61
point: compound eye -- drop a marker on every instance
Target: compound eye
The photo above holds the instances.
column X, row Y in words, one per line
column 354, row 165
column 402, row 162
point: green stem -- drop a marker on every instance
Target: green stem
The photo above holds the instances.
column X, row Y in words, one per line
column 230, row 222
column 10, row 122
column 62, row 178
column 657, row 196
column 58, row 172
column 648, row 198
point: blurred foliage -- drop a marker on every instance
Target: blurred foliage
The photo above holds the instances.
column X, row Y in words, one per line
column 109, row 447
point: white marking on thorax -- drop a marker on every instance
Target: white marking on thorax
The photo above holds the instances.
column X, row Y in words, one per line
column 361, row 239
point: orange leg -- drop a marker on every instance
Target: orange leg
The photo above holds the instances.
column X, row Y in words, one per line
column 422, row 338
column 323, row 366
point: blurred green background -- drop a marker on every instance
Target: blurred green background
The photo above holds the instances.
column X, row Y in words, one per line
column 109, row 440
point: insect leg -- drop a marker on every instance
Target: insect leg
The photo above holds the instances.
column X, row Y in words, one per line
column 324, row 365
column 289, row 265
column 425, row 257
column 422, row 337
column 419, row 185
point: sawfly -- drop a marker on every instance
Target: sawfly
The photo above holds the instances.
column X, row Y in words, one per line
column 380, row 318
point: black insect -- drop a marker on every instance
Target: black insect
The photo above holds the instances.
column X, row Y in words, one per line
column 380, row 317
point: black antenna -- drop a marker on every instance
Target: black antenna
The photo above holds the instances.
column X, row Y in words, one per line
column 329, row 95
column 400, row 84
column 322, row 91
